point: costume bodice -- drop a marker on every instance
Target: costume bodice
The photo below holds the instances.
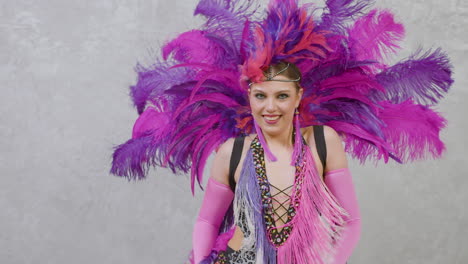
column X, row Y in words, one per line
column 311, row 216
column 272, row 204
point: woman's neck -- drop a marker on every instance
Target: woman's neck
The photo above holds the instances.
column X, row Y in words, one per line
column 281, row 140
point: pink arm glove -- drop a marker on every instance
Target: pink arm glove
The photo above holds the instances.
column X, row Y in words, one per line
column 340, row 183
column 216, row 201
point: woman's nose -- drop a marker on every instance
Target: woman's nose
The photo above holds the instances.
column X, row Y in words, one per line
column 271, row 105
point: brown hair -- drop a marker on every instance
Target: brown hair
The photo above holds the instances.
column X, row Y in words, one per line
column 292, row 72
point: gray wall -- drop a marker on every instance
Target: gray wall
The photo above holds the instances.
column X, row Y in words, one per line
column 65, row 69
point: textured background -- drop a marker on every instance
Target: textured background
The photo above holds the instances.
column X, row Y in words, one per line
column 65, row 71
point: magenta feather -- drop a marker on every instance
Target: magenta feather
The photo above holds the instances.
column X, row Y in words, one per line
column 375, row 36
column 194, row 98
column 412, row 130
column 361, row 144
column 194, row 46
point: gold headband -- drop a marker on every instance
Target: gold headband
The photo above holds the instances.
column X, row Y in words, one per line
column 270, row 76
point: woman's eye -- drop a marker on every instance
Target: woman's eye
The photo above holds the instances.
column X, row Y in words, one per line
column 259, row 96
column 283, row 96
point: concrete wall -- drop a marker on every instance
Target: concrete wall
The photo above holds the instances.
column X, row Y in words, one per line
column 65, row 71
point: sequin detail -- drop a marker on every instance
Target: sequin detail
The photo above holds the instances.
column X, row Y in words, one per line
column 230, row 256
column 277, row 237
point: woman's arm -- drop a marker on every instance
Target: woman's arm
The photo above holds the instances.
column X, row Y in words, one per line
column 339, row 181
column 216, row 201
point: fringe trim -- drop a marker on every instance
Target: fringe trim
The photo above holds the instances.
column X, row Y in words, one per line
column 248, row 203
column 318, row 223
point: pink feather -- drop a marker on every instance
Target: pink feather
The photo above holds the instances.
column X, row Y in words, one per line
column 375, row 35
column 413, row 130
column 360, row 143
column 150, row 120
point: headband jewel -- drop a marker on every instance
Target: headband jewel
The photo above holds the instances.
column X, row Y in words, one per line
column 269, row 76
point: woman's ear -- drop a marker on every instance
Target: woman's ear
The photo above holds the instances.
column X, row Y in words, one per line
column 299, row 96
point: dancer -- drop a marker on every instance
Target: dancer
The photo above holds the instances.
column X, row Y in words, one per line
column 284, row 213
column 218, row 85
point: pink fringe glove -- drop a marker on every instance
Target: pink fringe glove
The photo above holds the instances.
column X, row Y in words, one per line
column 340, row 183
column 217, row 199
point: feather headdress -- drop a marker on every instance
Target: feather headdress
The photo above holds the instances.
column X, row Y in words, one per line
column 194, row 98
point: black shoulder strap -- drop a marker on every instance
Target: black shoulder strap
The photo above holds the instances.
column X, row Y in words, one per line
column 235, row 158
column 320, row 144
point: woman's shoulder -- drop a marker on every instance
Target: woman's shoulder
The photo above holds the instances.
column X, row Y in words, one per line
column 221, row 162
column 336, row 156
column 225, row 149
column 220, row 168
column 330, row 134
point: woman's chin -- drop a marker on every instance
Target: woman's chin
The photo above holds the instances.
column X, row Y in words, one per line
column 273, row 130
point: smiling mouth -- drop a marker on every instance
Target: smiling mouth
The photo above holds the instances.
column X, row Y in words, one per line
column 271, row 119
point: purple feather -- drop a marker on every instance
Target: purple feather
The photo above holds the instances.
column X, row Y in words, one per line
column 353, row 112
column 226, row 18
column 338, row 12
column 193, row 101
column 424, row 77
column 133, row 158
column 154, row 80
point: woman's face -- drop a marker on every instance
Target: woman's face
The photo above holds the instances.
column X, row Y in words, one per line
column 273, row 104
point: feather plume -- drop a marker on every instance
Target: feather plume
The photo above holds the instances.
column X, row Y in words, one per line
column 197, row 46
column 287, row 34
column 133, row 158
column 338, row 12
column 424, row 77
column 412, row 130
column 154, row 80
column 361, row 144
column 191, row 100
column 226, row 19
column 375, row 36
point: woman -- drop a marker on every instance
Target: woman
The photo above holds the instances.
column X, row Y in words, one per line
column 191, row 103
column 273, row 105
